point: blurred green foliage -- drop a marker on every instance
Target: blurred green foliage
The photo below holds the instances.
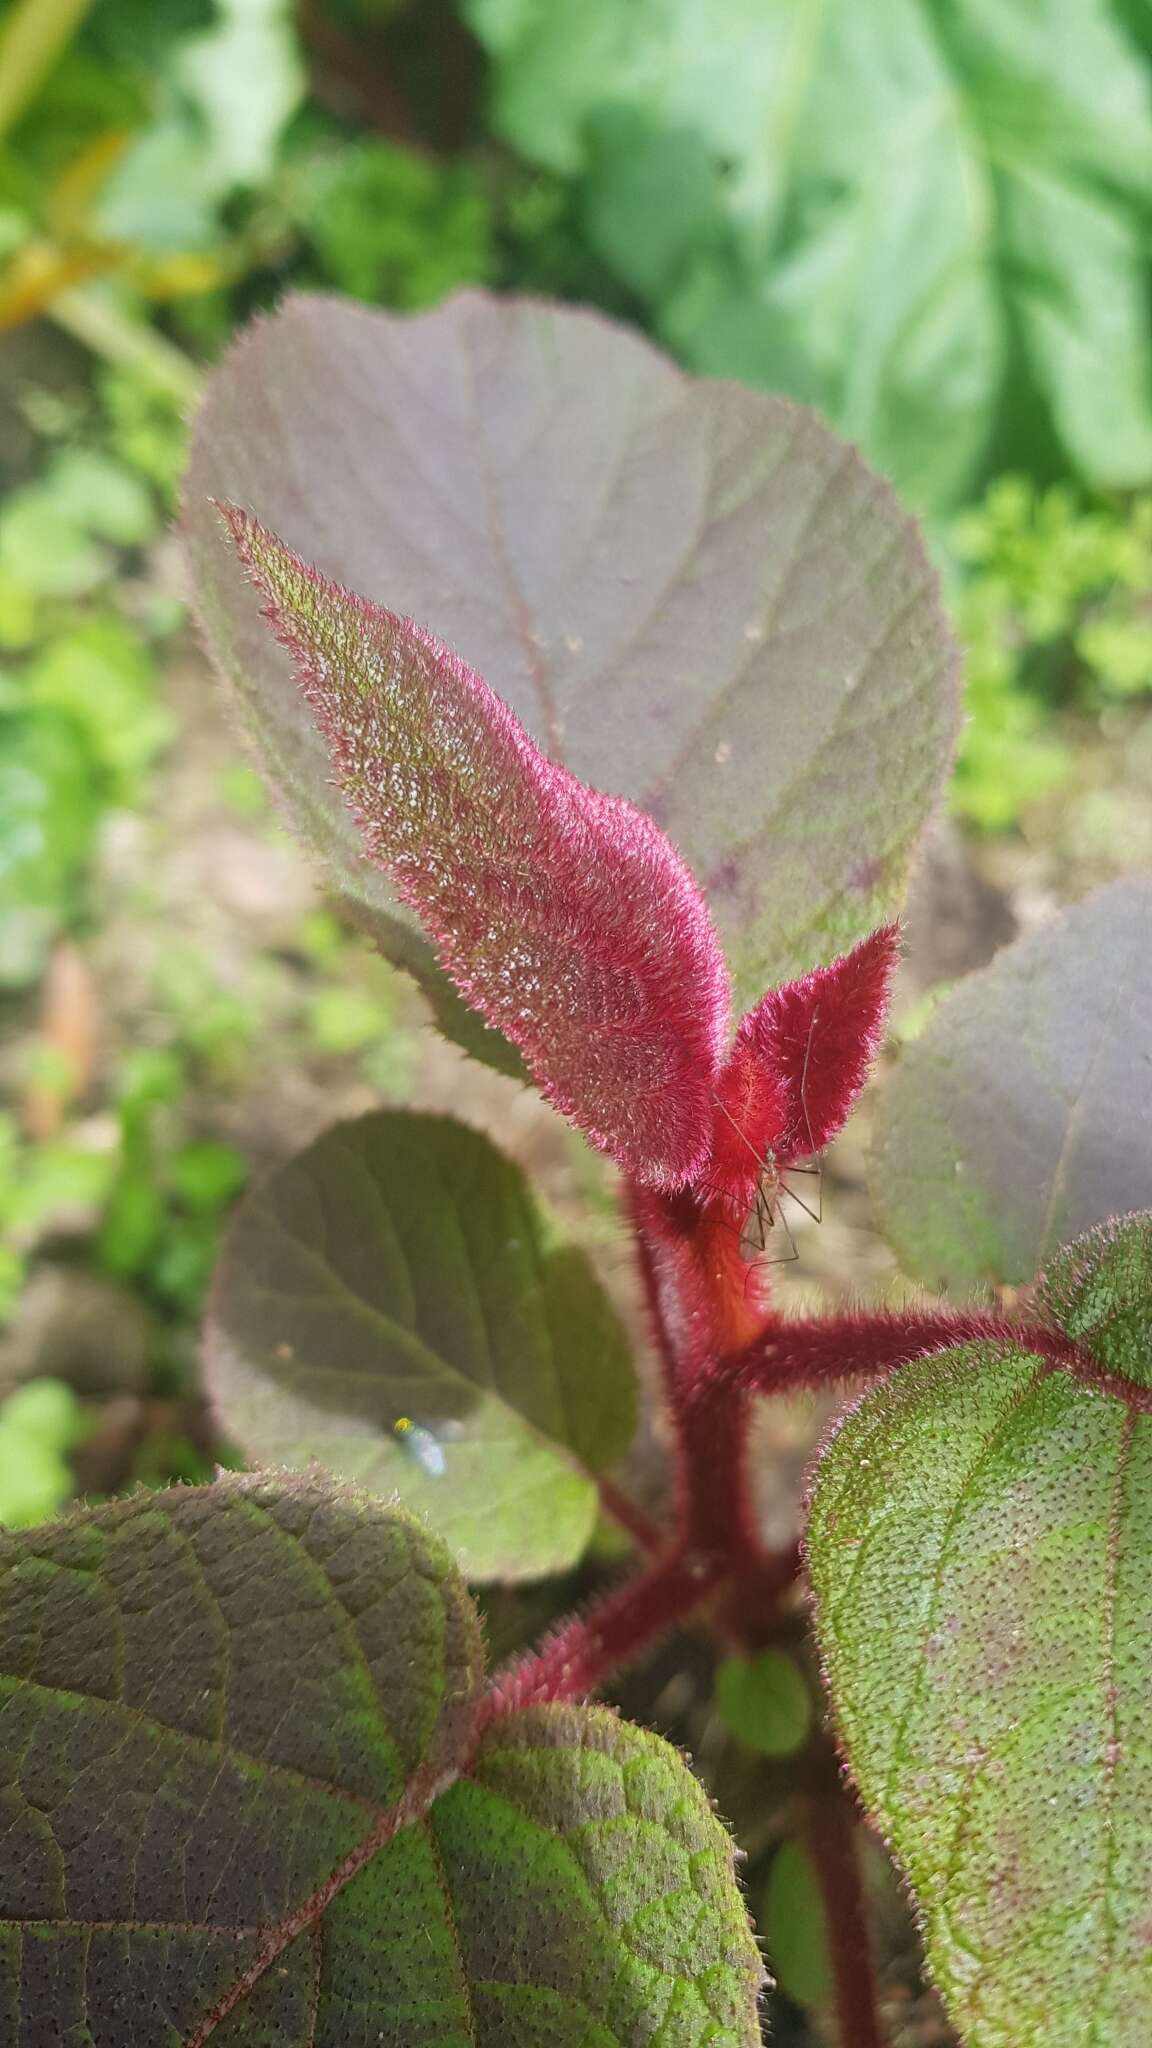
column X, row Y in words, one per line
column 40, row 1423
column 42, row 1186
column 765, row 1701
column 791, row 1914
column 80, row 715
column 930, row 220
column 1055, row 613
column 168, row 1191
column 390, row 227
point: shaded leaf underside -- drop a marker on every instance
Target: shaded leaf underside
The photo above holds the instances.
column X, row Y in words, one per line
column 1022, row 1115
column 231, row 1719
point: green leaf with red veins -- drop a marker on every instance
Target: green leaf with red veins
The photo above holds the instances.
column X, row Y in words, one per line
column 1098, row 1292
column 691, row 594
column 246, row 1806
column 980, row 1553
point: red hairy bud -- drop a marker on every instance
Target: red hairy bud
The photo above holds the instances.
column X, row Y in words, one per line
column 798, row 1064
column 564, row 916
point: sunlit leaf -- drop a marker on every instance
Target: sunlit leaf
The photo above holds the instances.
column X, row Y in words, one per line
column 879, row 210
column 390, row 1305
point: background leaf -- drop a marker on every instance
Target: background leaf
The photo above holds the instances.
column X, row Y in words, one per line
column 765, row 1701
column 49, row 812
column 979, row 1550
column 228, row 92
column 876, row 210
column 232, row 1710
column 398, row 1272
column 720, row 613
column 1022, row 1114
column 795, row 1929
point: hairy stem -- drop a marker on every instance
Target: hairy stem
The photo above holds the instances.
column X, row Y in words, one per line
column 703, row 1302
column 830, row 1833
column 721, row 1509
column 611, row 1632
column 816, row 1351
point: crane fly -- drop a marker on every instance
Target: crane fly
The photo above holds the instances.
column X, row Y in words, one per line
column 772, row 1184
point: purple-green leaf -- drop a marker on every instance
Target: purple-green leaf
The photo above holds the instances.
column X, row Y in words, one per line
column 392, row 1305
column 1023, row 1113
column 980, row 1550
column 245, row 1804
column 694, row 595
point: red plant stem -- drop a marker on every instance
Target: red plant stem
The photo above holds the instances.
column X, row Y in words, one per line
column 816, row 1351
column 703, row 1301
column 646, row 1534
column 753, row 1611
column 608, row 1635
column 721, row 1513
column 668, row 1354
column 830, row 1832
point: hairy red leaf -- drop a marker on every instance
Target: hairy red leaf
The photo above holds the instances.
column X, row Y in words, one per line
column 799, row 1062
column 564, row 916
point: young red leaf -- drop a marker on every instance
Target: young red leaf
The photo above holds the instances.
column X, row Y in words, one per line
column 799, row 1062
column 564, row 916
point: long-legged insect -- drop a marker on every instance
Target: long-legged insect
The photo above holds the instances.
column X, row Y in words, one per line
column 772, row 1184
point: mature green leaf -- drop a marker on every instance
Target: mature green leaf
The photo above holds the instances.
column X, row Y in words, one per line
column 1022, row 1114
column 389, row 1304
column 647, row 1939
column 245, row 1805
column 980, row 1551
column 879, row 198
column 694, row 595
